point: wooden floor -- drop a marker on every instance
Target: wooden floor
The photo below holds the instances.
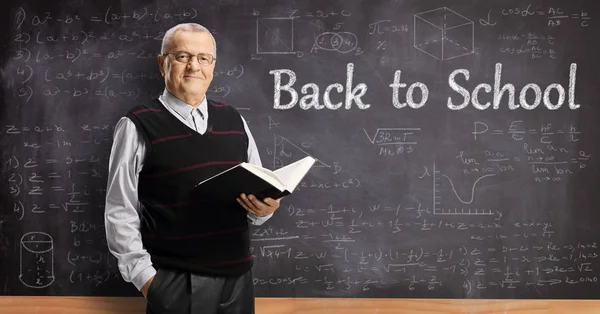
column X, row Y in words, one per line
column 101, row 305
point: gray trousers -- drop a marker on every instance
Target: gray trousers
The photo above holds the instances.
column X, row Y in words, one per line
column 177, row 292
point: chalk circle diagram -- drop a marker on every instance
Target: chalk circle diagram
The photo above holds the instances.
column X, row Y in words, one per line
column 36, row 260
column 342, row 42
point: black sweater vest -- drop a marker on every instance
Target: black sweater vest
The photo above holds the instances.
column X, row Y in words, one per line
column 178, row 229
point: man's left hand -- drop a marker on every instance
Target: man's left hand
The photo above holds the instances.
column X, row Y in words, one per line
column 257, row 207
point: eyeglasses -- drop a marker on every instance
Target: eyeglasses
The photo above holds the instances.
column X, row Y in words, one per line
column 185, row 57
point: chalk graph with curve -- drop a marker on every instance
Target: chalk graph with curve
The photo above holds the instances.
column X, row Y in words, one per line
column 448, row 200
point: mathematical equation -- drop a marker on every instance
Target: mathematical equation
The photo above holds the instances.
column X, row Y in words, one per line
column 394, row 141
column 330, row 251
column 109, row 16
column 27, row 92
column 480, row 267
column 536, row 46
column 97, row 278
column 555, row 15
column 550, row 159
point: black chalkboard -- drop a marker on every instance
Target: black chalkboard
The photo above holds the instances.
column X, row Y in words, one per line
column 415, row 193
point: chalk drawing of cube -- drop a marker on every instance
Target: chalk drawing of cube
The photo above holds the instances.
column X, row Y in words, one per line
column 275, row 35
column 443, row 34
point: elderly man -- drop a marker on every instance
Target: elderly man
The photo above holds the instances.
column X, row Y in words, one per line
column 186, row 255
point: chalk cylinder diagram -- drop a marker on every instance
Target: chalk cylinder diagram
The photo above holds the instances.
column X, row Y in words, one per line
column 37, row 260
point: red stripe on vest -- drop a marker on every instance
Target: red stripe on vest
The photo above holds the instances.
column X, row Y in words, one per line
column 168, row 138
column 226, row 132
column 146, row 110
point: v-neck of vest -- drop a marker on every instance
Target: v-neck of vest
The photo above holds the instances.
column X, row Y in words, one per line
column 188, row 129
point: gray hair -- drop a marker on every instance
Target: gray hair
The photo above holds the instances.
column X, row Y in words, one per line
column 193, row 27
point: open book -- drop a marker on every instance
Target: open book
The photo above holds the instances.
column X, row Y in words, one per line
column 251, row 179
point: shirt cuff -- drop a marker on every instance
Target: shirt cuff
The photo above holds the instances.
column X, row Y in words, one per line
column 140, row 280
column 257, row 221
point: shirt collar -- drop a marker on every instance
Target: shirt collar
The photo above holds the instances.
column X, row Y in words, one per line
column 182, row 108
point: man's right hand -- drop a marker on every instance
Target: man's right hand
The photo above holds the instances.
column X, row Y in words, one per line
column 146, row 286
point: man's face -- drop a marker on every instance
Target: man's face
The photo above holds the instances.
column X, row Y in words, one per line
column 188, row 81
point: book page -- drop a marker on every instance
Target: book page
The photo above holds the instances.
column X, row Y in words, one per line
column 293, row 173
column 266, row 175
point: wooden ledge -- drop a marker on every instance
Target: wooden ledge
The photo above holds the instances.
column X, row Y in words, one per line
column 129, row 305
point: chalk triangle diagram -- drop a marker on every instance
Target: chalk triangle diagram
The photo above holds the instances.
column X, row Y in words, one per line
column 286, row 152
column 275, row 36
